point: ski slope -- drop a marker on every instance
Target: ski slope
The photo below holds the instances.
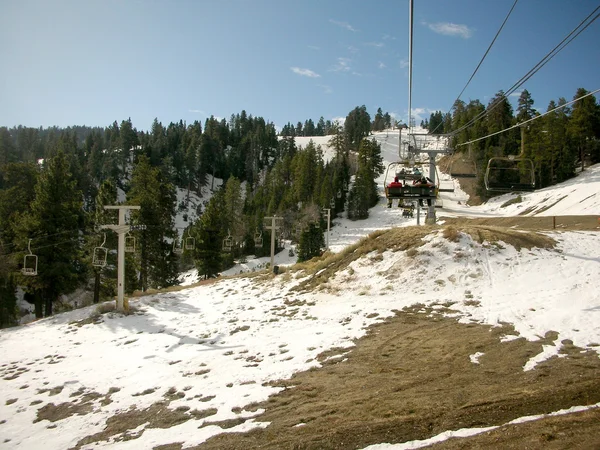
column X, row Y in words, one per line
column 213, row 349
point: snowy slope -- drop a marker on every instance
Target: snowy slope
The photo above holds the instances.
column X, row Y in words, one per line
column 212, row 348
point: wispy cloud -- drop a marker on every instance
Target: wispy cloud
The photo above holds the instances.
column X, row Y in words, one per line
column 326, row 89
column 314, row 47
column 387, row 37
column 197, row 111
column 353, row 49
column 345, row 25
column 374, row 44
column 342, row 65
column 450, row 29
column 403, row 63
column 516, row 94
column 304, row 72
column 381, row 65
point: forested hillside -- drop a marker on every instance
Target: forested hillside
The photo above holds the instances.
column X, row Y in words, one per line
column 54, row 184
column 557, row 143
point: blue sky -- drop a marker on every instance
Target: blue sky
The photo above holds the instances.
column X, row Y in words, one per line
column 92, row 62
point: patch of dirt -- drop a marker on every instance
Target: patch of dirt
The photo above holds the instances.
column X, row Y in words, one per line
column 536, row 223
column 411, row 378
column 82, row 405
column 576, row 430
column 119, row 426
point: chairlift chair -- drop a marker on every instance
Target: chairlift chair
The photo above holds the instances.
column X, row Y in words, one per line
column 177, row 246
column 129, row 244
column 100, row 255
column 190, row 243
column 463, row 168
column 30, row 262
column 332, row 203
column 258, row 239
column 228, row 242
column 509, row 174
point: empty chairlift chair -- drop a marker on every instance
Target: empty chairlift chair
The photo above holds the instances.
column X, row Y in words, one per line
column 177, row 246
column 30, row 262
column 509, row 174
column 100, row 254
column 227, row 243
column 129, row 244
column 258, row 239
column 190, row 243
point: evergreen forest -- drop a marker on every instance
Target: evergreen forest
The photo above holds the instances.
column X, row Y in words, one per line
column 55, row 182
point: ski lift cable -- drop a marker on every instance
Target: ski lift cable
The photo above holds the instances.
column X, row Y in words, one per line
column 520, row 124
column 566, row 41
column 480, row 62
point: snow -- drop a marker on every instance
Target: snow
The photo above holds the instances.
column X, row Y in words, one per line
column 218, row 345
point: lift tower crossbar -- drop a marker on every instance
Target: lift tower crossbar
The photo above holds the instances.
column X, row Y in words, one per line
column 121, row 229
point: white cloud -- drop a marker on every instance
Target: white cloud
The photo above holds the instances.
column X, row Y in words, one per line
column 381, row 65
column 374, row 44
column 516, row 94
column 304, row 72
column 403, row 63
column 450, row 29
column 342, row 65
column 326, row 89
column 345, row 25
column 314, row 47
column 387, row 37
column 197, row 111
column 352, row 49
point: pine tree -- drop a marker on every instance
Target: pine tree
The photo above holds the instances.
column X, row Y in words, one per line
column 357, row 126
column 157, row 199
column 53, row 223
column 584, row 127
column 8, row 290
column 525, row 109
column 209, row 234
column 364, row 193
column 311, row 242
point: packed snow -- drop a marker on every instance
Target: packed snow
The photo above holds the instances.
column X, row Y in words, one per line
column 213, row 348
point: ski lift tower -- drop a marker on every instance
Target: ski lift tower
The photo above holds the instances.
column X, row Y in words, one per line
column 425, row 143
column 121, row 229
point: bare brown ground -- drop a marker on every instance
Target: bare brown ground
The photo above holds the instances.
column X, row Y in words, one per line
column 559, row 223
column 411, row 378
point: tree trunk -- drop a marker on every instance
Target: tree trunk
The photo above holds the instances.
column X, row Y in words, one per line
column 38, row 304
column 47, row 305
column 97, row 287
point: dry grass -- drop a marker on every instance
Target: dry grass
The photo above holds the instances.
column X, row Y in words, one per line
column 409, row 239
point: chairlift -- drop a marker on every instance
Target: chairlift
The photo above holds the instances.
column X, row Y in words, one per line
column 339, row 194
column 464, row 167
column 190, row 243
column 258, row 239
column 395, row 189
column 332, row 203
column 227, row 243
column 129, row 243
column 177, row 246
column 30, row 262
column 509, row 174
column 100, row 254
